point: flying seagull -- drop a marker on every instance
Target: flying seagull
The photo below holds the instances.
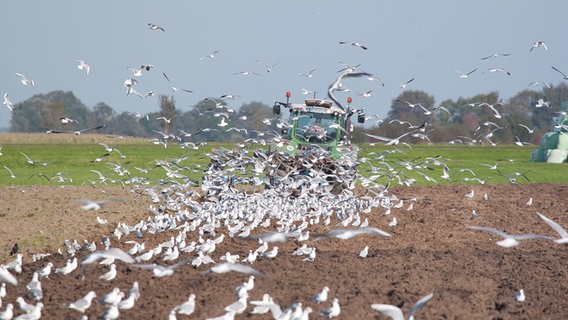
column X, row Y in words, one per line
column 154, row 26
column 24, row 80
column 395, row 313
column 564, row 77
column 556, row 227
column 346, row 234
column 537, row 44
column 309, row 74
column 499, row 70
column 509, row 240
column 337, row 84
column 228, row 267
column 465, row 75
column 174, row 88
column 7, row 102
column 496, row 55
column 404, row 84
column 353, row 43
column 114, row 253
column 209, row 56
column 83, row 66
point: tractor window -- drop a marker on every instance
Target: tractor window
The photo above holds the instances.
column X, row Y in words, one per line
column 317, row 128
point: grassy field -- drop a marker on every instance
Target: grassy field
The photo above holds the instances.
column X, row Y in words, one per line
column 75, row 157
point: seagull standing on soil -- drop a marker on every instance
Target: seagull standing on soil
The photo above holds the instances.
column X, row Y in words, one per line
column 84, row 303
column 333, row 311
column 321, row 296
column 8, row 314
column 186, row 308
column 520, row 296
column 111, row 274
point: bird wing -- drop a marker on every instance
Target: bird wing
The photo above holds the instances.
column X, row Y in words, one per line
column 562, row 73
column 561, row 231
column 372, row 230
column 492, row 230
column 419, row 304
column 388, row 310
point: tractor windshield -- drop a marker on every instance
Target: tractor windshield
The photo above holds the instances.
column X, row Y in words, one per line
column 316, row 127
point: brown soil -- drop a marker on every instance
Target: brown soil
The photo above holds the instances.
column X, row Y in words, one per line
column 430, row 251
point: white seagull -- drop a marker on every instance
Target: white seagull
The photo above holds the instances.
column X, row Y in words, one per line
column 564, row 77
column 509, row 240
column 154, row 26
column 465, row 75
column 162, row 271
column 528, row 129
column 174, row 88
column 111, row 274
column 496, row 55
column 336, row 85
column 209, row 56
column 25, row 81
column 499, row 70
column 7, row 102
column 520, row 296
column 7, row 277
column 333, row 311
column 537, row 44
column 309, row 74
column 186, row 308
column 84, row 303
column 556, row 227
column 321, row 296
column 114, row 253
column 228, row 267
column 83, row 66
column 404, row 84
column 346, row 234
column 395, row 313
column 355, row 44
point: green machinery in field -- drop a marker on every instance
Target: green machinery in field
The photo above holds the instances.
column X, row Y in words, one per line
column 318, row 124
column 316, row 141
column 554, row 145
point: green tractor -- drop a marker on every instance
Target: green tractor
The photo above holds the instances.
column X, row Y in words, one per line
column 317, row 140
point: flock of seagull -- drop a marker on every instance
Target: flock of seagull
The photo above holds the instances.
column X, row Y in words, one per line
column 198, row 223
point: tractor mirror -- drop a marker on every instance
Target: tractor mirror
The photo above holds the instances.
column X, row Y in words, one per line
column 361, row 118
column 276, row 108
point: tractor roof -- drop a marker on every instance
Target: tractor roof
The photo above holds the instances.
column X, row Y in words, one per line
column 317, row 106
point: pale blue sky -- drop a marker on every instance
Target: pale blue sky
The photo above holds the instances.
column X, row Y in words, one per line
column 425, row 40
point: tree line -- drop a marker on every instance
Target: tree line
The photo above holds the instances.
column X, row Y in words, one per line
column 524, row 117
